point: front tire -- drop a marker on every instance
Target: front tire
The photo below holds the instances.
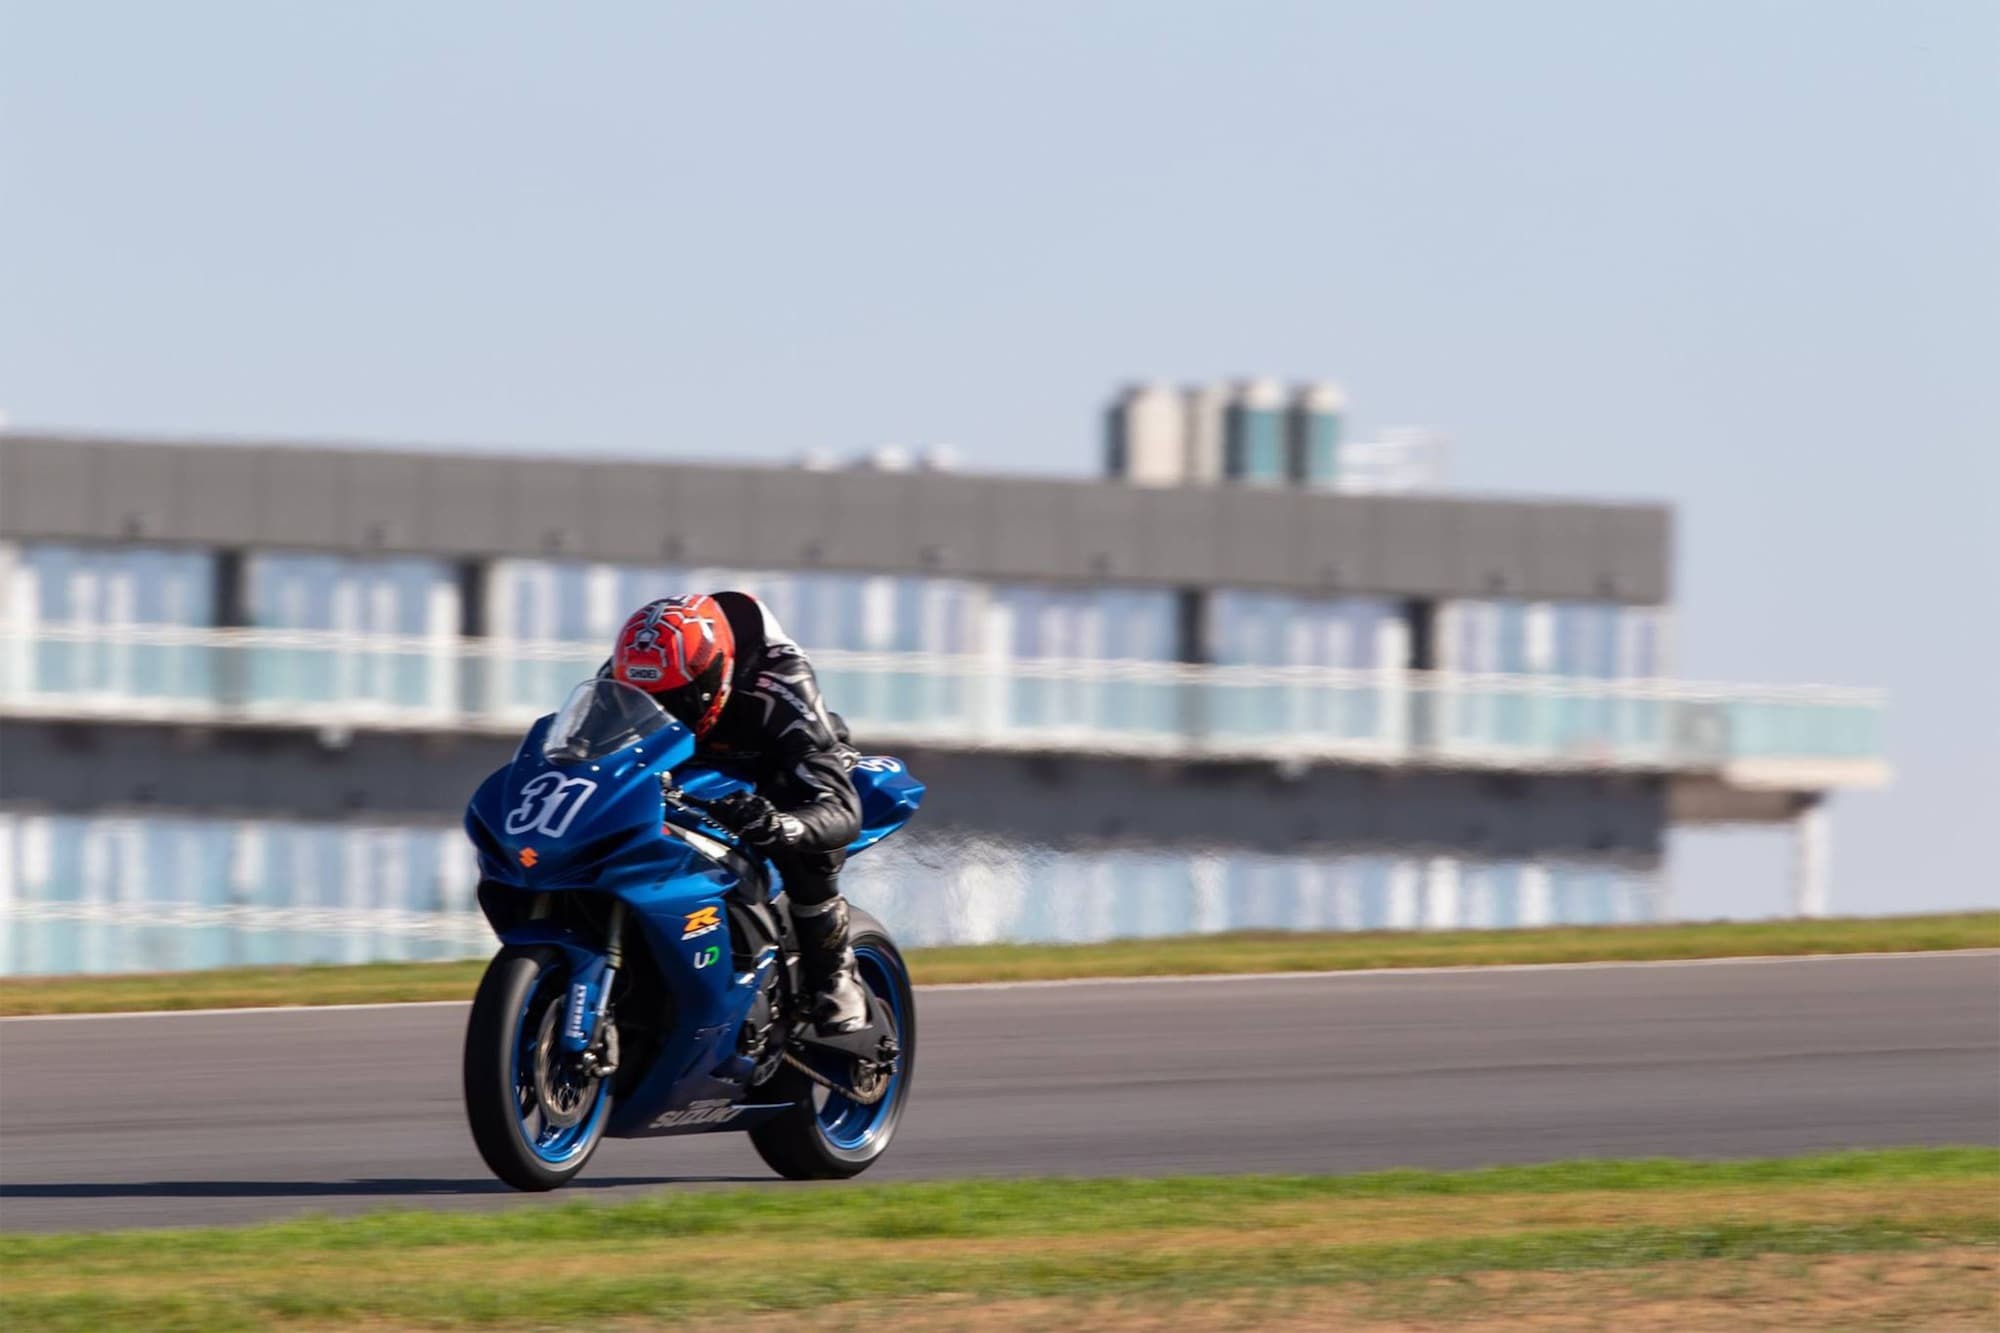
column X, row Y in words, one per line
column 534, row 1120
column 824, row 1136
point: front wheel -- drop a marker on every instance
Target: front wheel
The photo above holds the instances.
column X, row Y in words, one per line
column 535, row 1115
column 827, row 1136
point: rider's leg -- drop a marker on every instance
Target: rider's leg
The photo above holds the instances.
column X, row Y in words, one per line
column 812, row 883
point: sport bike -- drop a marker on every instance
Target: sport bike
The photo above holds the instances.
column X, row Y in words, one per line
column 648, row 980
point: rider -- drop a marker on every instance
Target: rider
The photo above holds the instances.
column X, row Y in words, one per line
column 723, row 666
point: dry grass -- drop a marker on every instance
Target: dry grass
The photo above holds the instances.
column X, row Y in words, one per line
column 1945, row 1289
column 1870, row 1238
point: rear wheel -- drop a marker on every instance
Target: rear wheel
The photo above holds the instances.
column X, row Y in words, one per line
column 827, row 1135
column 535, row 1116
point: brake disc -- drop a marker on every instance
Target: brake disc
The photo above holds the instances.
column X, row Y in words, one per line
column 562, row 1089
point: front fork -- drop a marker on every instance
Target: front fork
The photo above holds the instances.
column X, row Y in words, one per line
column 586, row 1029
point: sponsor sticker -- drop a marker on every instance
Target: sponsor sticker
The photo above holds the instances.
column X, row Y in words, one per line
column 529, row 856
column 706, row 957
column 715, row 1111
column 700, row 922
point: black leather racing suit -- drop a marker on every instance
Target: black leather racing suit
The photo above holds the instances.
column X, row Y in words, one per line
column 775, row 731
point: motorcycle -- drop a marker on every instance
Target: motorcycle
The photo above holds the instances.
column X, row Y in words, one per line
column 648, row 980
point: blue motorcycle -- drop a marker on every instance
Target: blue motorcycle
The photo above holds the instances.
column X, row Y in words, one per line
column 648, row 980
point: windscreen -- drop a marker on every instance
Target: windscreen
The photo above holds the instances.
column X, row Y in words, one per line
column 602, row 717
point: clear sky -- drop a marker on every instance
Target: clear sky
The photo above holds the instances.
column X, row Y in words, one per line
column 1738, row 254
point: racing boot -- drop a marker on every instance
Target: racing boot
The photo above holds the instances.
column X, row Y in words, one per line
column 828, row 964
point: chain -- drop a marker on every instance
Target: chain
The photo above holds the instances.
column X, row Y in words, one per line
column 862, row 1099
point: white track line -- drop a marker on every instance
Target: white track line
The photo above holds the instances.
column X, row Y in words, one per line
column 1346, row 974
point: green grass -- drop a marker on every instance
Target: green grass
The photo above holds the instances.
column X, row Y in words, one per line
column 697, row 1254
column 1273, row 951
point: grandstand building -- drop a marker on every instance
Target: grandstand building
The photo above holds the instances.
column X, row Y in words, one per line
column 245, row 690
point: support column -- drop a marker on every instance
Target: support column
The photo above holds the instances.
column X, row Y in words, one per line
column 1420, row 664
column 20, row 610
column 1404, row 877
column 484, row 612
column 1811, row 846
column 1441, row 904
column 230, row 609
column 1534, row 907
column 1211, row 888
column 1195, row 635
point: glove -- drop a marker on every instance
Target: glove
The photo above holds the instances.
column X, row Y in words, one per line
column 756, row 820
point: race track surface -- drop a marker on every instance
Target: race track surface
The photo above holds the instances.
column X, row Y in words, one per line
column 187, row 1119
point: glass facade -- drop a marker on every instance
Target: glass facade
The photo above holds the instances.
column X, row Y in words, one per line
column 63, row 584
column 106, row 894
column 1279, row 630
column 1084, row 624
column 1577, row 640
column 354, row 595
column 556, row 601
column 73, row 590
column 988, row 890
column 1315, row 446
column 1254, row 443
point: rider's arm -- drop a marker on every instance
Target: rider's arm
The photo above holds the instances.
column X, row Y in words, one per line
column 830, row 812
column 815, row 789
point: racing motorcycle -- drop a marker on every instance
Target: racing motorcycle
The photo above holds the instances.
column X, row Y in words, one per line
column 648, row 980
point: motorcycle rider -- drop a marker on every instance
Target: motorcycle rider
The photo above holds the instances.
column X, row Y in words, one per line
column 726, row 669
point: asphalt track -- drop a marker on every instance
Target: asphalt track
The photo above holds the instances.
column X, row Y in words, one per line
column 205, row 1118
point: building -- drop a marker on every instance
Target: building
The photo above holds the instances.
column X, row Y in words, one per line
column 1249, row 434
column 245, row 691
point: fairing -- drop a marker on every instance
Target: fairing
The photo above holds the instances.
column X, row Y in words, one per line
column 601, row 826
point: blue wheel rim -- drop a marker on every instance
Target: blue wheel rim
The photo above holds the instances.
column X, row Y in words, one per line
column 556, row 1145
column 847, row 1124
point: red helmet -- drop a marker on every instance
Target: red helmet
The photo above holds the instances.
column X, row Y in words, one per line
column 679, row 650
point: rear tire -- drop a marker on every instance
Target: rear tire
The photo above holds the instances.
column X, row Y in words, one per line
column 823, row 1137
column 500, row 1099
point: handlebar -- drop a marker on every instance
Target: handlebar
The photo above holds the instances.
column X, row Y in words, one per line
column 674, row 796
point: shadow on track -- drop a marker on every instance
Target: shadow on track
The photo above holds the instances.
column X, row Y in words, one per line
column 308, row 1189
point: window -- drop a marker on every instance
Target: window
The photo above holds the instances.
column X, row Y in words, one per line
column 116, row 585
column 356, row 595
column 1085, row 624
column 1584, row 640
column 1277, row 629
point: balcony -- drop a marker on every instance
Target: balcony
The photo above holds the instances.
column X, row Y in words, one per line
column 1756, row 736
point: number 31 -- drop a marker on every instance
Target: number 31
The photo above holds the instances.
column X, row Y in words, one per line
column 548, row 804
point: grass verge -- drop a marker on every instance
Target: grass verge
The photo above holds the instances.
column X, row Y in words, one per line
column 1184, row 955
column 1058, row 1252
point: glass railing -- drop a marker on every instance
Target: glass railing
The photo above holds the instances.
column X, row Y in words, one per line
column 1137, row 708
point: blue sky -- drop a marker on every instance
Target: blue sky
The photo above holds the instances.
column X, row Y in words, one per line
column 1736, row 255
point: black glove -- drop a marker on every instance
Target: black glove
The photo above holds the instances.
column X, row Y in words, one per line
column 755, row 820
